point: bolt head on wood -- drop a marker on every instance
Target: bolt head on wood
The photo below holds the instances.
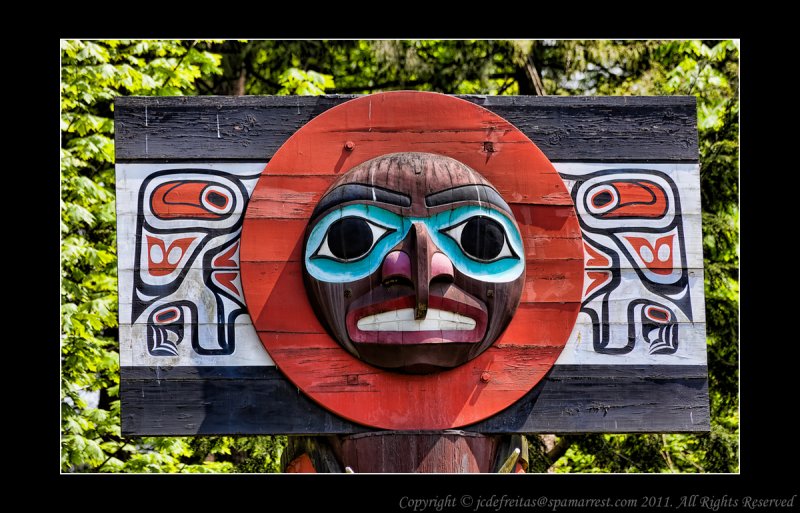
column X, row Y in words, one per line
column 485, row 377
column 349, row 145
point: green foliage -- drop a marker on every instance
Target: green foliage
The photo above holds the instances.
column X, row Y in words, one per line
column 278, row 67
column 303, row 83
column 633, row 453
column 94, row 72
column 709, row 70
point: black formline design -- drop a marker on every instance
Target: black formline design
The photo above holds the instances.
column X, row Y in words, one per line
column 676, row 293
column 667, row 339
column 225, row 323
column 601, row 323
column 631, row 180
column 221, row 217
column 157, row 341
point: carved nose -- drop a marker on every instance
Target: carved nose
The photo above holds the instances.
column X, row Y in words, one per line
column 397, row 264
column 419, row 261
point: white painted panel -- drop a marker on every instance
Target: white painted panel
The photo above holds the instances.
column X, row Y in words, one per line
column 192, row 287
column 630, row 288
column 691, row 347
column 248, row 351
column 580, row 351
column 685, row 176
column 131, row 176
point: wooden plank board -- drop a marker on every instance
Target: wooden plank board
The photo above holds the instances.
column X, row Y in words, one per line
column 537, row 250
column 660, row 128
column 231, row 141
column 205, row 400
column 250, row 350
column 610, row 399
column 572, row 399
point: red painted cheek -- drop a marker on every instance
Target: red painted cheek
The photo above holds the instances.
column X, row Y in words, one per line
column 396, row 263
column 441, row 266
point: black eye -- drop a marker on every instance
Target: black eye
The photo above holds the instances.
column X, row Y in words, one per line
column 350, row 238
column 217, row 199
column 602, row 199
column 481, row 238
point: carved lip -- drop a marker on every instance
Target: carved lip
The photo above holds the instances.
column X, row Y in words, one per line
column 462, row 322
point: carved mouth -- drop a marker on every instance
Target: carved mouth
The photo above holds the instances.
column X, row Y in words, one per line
column 392, row 322
column 403, row 320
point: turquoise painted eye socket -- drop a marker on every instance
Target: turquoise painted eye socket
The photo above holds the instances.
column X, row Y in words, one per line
column 481, row 242
column 481, row 238
column 350, row 243
column 350, row 239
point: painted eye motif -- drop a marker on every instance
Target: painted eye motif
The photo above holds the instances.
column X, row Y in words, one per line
column 481, row 238
column 350, row 239
column 216, row 199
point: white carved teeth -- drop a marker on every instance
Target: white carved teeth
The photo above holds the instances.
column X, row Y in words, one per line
column 403, row 320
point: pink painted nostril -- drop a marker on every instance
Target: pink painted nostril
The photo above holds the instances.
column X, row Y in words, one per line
column 396, row 263
column 441, row 266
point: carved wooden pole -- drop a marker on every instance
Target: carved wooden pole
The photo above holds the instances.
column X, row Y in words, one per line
column 450, row 451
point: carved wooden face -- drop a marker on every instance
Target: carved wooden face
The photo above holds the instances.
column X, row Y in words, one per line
column 413, row 262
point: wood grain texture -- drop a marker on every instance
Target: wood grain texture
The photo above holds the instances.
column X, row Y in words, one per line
column 205, row 400
column 576, row 131
column 644, row 129
column 449, row 138
column 449, row 451
column 259, row 400
column 610, row 399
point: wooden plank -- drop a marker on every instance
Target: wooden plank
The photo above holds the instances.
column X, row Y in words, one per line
column 248, row 349
column 610, row 399
column 581, row 134
column 625, row 129
column 549, row 318
column 219, row 400
column 258, row 400
column 553, row 280
column 541, row 285
column 302, row 192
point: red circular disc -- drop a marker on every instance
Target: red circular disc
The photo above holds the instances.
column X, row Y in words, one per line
column 271, row 260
